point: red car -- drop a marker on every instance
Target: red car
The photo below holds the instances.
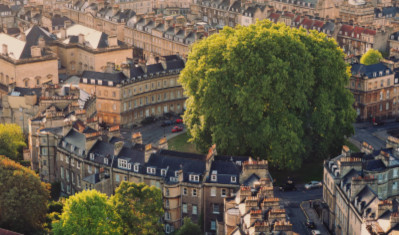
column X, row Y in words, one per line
column 177, row 129
column 179, row 120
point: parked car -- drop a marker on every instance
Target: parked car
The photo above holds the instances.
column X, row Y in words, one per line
column 313, row 184
column 287, row 187
column 179, row 120
column 148, row 120
column 378, row 123
column 177, row 129
column 310, row 224
column 166, row 123
column 316, row 232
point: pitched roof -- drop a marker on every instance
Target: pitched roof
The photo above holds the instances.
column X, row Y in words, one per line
column 116, row 78
column 369, row 70
column 93, row 38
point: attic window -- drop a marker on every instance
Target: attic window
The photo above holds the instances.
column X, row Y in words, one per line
column 92, row 81
column 129, row 166
column 91, row 156
column 151, row 170
column 122, row 163
column 84, row 80
column 194, row 178
column 387, row 71
column 110, row 83
column 233, row 179
column 72, row 148
column 163, row 172
column 100, row 82
column 136, row 168
column 213, row 177
column 106, row 161
column 238, row 163
column 64, row 144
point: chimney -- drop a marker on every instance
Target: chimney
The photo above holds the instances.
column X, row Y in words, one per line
column 383, row 206
column 137, row 138
column 35, row 51
column 112, row 41
column 4, row 49
column 115, row 9
column 177, row 28
column 67, row 23
column 163, row 63
column 81, row 38
column 210, row 156
column 142, row 65
column 187, row 31
column 147, row 153
column 41, row 43
column 147, row 19
column 22, row 36
column 163, row 143
column 168, row 22
column 118, row 147
column 126, row 69
column 63, row 33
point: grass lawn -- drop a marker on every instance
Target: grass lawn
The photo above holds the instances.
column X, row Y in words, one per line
column 352, row 147
column 180, row 143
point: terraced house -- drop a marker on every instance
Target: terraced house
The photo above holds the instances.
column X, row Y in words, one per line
column 128, row 96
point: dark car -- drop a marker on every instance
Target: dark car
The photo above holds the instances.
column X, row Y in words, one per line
column 288, row 187
column 378, row 123
column 310, row 224
column 166, row 123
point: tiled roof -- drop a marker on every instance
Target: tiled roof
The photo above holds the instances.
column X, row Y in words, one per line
column 116, row 78
column 369, row 70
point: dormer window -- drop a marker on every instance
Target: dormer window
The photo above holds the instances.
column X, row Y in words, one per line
column 214, row 178
column 374, row 74
column 122, row 163
column 174, row 179
column 110, row 83
column 233, row 179
column 92, row 81
column 194, row 178
column 100, row 82
column 163, row 172
column 380, row 73
column 64, row 144
column 387, row 71
column 238, row 163
column 151, row 170
column 176, row 173
column 91, row 156
column 85, row 79
column 136, row 168
column 72, row 148
column 129, row 166
column 106, row 161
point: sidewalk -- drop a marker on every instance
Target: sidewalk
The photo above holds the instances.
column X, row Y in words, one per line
column 311, row 214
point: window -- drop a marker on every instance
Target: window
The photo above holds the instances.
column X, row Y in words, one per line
column 163, row 172
column 166, row 192
column 113, row 94
column 125, row 178
column 136, row 167
column 122, row 163
column 89, row 169
column 213, row 224
column 194, row 209
column 213, row 178
column 215, row 208
column 167, row 215
column 167, row 203
column 151, row 170
column 184, row 208
column 387, row 94
column 233, row 179
column 213, row 192
column 382, row 82
column 62, row 172
column 194, row 178
column 223, row 194
column 381, row 95
column 387, row 106
column 117, row 178
column 395, row 186
column 395, row 172
column 194, row 192
column 67, row 175
column 184, row 191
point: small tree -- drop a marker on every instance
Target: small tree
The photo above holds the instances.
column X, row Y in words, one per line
column 371, row 57
column 87, row 212
column 23, row 198
column 11, row 140
column 139, row 207
column 189, row 228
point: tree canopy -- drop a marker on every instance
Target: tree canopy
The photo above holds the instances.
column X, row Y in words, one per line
column 189, row 228
column 11, row 140
column 269, row 91
column 23, row 198
column 371, row 57
column 87, row 212
column 139, row 208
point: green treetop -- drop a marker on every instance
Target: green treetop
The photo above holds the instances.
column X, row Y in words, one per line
column 23, row 198
column 139, row 207
column 189, row 228
column 371, row 57
column 269, row 91
column 11, row 140
column 87, row 212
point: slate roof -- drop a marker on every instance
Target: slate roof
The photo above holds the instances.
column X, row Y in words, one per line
column 369, row 70
column 22, row 91
column 59, row 21
column 375, row 165
column 4, row 8
column 75, row 139
column 116, row 78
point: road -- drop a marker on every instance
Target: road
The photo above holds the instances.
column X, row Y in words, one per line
column 373, row 135
column 291, row 202
column 151, row 133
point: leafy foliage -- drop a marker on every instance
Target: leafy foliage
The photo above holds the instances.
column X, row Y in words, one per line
column 139, row 207
column 269, row 91
column 55, row 190
column 87, row 212
column 189, row 228
column 371, row 57
column 11, row 140
column 23, row 198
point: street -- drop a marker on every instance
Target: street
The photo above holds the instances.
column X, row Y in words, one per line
column 291, row 201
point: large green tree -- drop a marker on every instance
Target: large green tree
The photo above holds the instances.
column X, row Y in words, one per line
column 371, row 57
column 270, row 91
column 87, row 212
column 11, row 140
column 23, row 198
column 139, row 207
column 189, row 228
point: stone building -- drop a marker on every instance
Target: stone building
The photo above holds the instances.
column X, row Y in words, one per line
column 375, row 90
column 127, row 97
column 6, row 16
column 360, row 190
column 80, row 48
